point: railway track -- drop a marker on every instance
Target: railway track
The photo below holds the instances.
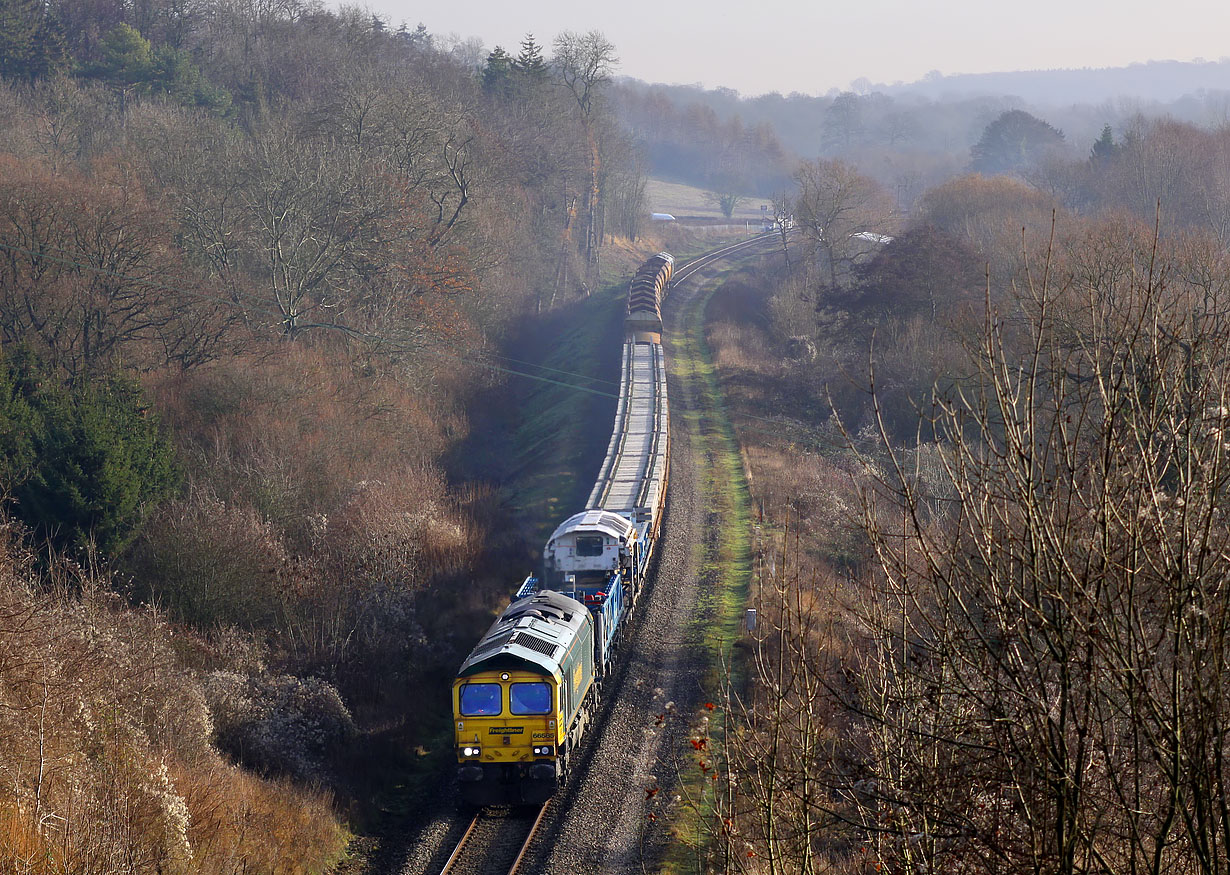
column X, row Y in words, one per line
column 496, row 841
column 710, row 257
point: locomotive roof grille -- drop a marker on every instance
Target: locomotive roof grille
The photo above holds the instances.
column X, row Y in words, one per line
column 546, row 648
column 521, row 637
column 540, row 610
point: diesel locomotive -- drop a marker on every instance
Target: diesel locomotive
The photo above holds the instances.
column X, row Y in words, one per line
column 527, row 693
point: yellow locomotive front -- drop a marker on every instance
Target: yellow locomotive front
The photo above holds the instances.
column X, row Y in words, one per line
column 506, row 717
column 516, row 697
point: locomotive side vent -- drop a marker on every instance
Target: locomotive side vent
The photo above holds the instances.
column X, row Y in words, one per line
column 546, row 648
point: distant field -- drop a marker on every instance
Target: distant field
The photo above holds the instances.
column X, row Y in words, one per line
column 687, row 200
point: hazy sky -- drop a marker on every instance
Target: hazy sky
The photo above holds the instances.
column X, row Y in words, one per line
column 812, row 47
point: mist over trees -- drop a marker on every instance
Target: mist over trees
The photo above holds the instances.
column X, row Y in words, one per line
column 909, row 138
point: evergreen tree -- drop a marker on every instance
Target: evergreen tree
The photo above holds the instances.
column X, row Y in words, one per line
column 52, row 56
column 497, row 72
column 1104, row 147
column 32, row 44
column 1013, row 141
column 171, row 71
column 19, row 23
column 80, row 464
column 131, row 64
column 529, row 62
column 127, row 58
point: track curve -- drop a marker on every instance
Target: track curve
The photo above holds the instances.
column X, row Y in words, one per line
column 602, row 825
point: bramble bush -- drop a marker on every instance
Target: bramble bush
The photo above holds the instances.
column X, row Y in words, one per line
column 280, row 724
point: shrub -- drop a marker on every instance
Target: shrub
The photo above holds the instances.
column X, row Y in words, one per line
column 107, row 763
column 84, row 464
column 279, row 725
column 211, row 563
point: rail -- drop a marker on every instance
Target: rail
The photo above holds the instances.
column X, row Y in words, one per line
column 490, row 839
column 628, row 393
column 703, row 261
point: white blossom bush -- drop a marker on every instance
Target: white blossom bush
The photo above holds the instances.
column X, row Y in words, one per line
column 278, row 724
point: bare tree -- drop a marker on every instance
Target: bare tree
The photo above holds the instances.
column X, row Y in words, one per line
column 624, row 180
column 1047, row 632
column 88, row 274
column 783, row 221
column 585, row 63
column 836, row 208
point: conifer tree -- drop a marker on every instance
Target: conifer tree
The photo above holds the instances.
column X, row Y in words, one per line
column 498, row 70
column 19, row 20
column 1104, row 147
column 1013, row 142
column 31, row 41
column 82, row 463
column 529, row 61
column 53, row 56
column 127, row 59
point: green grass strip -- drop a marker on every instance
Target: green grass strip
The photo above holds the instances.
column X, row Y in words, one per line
column 723, row 558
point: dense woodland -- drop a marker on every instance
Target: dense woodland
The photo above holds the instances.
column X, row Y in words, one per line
column 252, row 259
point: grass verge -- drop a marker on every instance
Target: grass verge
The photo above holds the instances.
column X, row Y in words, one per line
column 723, row 558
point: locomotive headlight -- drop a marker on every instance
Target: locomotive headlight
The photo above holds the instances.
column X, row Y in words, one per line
column 544, row 751
column 470, row 751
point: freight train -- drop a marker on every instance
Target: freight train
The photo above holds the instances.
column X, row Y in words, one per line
column 528, row 692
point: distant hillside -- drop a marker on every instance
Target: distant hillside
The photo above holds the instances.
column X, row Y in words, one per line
column 908, row 136
column 1161, row 81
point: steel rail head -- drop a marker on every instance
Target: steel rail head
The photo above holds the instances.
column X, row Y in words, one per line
column 703, row 261
column 516, row 866
column 461, row 845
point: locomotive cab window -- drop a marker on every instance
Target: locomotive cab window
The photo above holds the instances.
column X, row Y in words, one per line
column 480, row 700
column 589, row 545
column 533, row 698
